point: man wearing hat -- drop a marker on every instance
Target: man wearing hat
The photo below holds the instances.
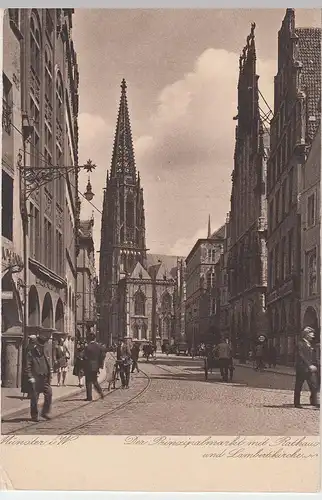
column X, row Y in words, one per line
column 94, row 357
column 38, row 371
column 305, row 367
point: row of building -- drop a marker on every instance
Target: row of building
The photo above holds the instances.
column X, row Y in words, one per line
column 48, row 272
column 260, row 272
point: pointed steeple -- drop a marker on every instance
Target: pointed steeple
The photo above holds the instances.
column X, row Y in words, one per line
column 123, row 162
column 209, row 227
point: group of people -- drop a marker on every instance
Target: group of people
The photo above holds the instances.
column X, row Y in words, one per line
column 39, row 370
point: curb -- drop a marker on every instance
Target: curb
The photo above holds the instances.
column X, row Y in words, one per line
column 10, row 413
column 267, row 370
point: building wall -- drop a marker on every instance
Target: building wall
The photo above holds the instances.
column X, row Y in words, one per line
column 248, row 214
column 311, row 237
column 201, row 317
column 11, row 236
column 296, row 94
column 45, row 72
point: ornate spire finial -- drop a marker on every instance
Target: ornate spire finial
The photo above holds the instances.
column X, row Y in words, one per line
column 123, row 86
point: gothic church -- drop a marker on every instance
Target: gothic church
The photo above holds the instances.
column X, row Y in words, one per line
column 141, row 295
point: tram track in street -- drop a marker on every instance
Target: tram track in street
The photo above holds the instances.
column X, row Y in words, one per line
column 53, row 423
column 102, row 416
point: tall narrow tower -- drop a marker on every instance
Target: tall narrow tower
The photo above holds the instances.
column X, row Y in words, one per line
column 123, row 223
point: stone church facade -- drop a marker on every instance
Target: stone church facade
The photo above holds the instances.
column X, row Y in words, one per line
column 140, row 294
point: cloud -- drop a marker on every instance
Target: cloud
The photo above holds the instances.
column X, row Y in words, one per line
column 186, row 156
column 185, row 152
column 183, row 246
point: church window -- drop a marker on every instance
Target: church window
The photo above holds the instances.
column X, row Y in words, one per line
column 166, row 303
column 139, row 304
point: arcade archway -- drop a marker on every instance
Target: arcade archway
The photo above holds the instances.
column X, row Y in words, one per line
column 33, row 307
column 47, row 312
column 59, row 316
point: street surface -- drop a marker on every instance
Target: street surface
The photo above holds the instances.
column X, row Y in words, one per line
column 172, row 397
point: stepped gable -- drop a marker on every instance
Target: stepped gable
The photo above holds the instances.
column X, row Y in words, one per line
column 309, row 54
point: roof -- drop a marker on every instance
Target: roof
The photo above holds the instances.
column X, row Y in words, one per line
column 155, row 261
column 309, row 54
column 219, row 233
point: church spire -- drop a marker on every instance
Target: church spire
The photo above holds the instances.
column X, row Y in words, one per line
column 123, row 162
column 209, row 227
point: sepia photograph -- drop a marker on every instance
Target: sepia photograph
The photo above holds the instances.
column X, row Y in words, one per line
column 161, row 224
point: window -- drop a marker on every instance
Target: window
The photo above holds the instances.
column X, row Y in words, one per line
column 270, row 269
column 48, row 244
column 59, row 253
column 59, row 99
column 271, row 216
column 139, row 304
column 7, row 206
column 284, row 206
column 35, row 46
column 290, row 251
column 37, row 234
column 6, row 104
column 59, row 180
column 283, row 259
column 277, row 208
column 311, row 210
column 35, row 139
column 290, row 189
column 277, row 263
column 32, row 231
column 166, row 303
column 312, row 273
column 213, row 255
column 48, row 77
column 48, row 161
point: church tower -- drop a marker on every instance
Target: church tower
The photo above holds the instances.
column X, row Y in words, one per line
column 123, row 222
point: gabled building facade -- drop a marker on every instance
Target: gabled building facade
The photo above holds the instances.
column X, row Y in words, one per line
column 41, row 81
column 202, row 289
column 248, row 218
column 86, row 280
column 293, row 128
column 138, row 291
column 311, row 237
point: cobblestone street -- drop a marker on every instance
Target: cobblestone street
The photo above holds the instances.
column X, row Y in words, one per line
column 171, row 396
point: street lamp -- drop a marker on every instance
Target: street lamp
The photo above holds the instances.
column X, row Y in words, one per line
column 31, row 179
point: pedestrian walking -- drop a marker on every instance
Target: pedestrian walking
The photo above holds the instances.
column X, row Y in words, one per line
column 317, row 362
column 32, row 341
column 223, row 353
column 124, row 364
column 259, row 356
column 94, row 358
column 135, row 357
column 78, row 370
column 38, row 372
column 61, row 357
column 306, row 370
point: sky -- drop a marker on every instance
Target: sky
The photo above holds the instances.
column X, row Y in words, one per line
column 181, row 68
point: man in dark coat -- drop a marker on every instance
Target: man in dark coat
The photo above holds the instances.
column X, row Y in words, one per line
column 94, row 357
column 135, row 356
column 38, row 372
column 305, row 368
